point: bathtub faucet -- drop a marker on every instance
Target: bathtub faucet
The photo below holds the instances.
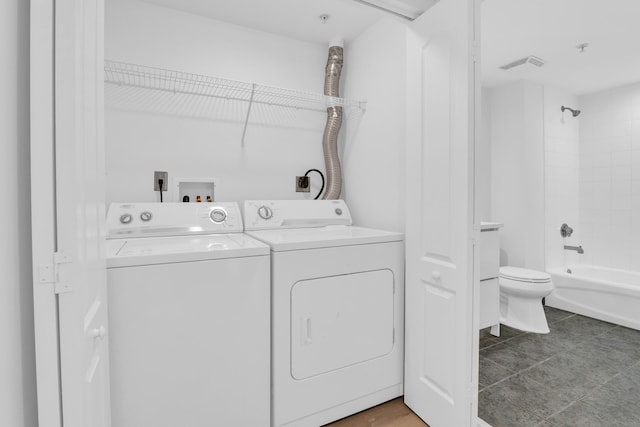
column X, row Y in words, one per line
column 574, row 248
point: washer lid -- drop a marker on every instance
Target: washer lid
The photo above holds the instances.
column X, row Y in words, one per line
column 524, row 275
column 323, row 237
column 162, row 250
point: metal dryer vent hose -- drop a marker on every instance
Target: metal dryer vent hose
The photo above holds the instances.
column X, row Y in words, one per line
column 334, row 122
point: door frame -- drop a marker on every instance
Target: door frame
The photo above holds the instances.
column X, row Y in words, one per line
column 43, row 212
column 59, row 31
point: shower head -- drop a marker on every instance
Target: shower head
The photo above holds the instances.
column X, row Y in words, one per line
column 575, row 113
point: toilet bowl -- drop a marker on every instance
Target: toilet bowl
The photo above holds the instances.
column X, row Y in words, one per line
column 521, row 293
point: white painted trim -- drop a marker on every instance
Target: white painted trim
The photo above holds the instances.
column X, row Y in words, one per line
column 43, row 212
column 475, row 125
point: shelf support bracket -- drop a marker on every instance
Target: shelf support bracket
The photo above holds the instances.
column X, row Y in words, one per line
column 246, row 120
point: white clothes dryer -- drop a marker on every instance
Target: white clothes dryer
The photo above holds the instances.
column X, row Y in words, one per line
column 189, row 313
column 337, row 310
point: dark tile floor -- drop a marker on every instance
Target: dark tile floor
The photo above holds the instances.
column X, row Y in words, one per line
column 584, row 373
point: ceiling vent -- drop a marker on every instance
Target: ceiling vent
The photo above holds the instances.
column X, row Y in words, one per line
column 527, row 62
column 407, row 9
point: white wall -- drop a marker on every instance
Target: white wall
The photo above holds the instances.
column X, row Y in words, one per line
column 374, row 158
column 17, row 353
column 562, row 163
column 483, row 162
column 190, row 147
column 610, row 177
column 517, row 178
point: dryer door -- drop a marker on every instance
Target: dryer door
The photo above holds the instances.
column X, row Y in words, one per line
column 340, row 321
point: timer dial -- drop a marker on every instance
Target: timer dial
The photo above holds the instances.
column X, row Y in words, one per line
column 218, row 215
column 265, row 212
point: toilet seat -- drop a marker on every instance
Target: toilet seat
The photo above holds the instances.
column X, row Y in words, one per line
column 524, row 275
column 524, row 288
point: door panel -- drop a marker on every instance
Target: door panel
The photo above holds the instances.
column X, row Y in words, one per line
column 436, row 156
column 440, row 383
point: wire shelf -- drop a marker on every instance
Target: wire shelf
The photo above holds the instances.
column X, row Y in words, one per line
column 162, row 91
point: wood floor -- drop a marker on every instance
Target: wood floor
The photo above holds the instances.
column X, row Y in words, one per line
column 390, row 414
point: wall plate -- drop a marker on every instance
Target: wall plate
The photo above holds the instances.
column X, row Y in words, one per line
column 164, row 176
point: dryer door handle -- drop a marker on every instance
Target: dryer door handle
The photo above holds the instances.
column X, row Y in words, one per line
column 305, row 331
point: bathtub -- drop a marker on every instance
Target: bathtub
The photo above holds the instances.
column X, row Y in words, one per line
column 603, row 293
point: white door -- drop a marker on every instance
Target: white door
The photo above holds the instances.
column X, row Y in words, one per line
column 440, row 344
column 80, row 213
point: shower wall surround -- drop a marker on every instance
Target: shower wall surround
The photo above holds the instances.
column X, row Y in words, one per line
column 562, row 166
column 610, row 177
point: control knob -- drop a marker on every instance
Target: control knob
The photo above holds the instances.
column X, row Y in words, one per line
column 265, row 212
column 218, row 215
column 126, row 218
column 145, row 216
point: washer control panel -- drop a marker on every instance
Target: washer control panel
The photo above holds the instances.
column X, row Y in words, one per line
column 272, row 214
column 172, row 219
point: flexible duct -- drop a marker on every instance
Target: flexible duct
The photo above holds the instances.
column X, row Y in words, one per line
column 334, row 122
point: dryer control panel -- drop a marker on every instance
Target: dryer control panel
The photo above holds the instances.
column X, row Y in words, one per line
column 275, row 214
column 172, row 219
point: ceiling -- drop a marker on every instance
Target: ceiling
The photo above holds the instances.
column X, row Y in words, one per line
column 511, row 29
column 299, row 19
column 551, row 30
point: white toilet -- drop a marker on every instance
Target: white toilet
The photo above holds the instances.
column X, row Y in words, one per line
column 521, row 293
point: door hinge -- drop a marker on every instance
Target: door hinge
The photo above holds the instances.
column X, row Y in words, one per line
column 476, row 51
column 50, row 273
column 46, row 273
column 62, row 287
column 393, row 336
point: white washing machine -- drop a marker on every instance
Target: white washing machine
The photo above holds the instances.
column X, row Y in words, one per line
column 337, row 294
column 189, row 314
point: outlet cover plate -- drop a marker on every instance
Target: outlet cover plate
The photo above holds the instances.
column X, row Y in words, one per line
column 165, row 180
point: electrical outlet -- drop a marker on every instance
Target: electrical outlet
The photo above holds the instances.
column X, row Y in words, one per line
column 159, row 175
column 303, row 184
